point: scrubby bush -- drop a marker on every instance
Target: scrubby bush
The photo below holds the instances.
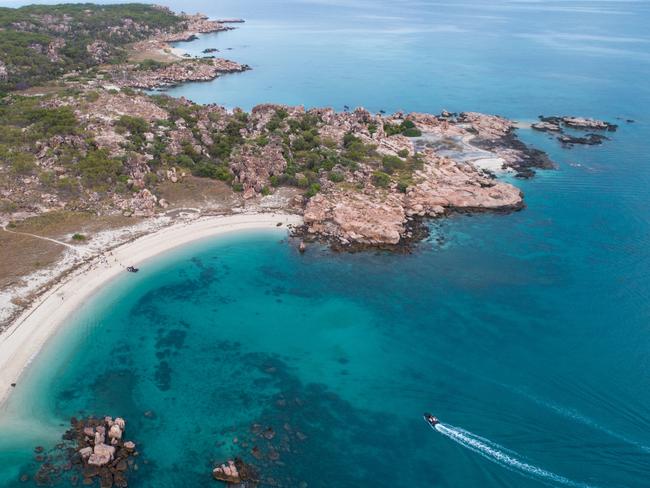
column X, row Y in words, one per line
column 312, row 190
column 413, row 132
column 355, row 149
column 208, row 169
column 48, row 122
column 403, row 184
column 406, row 128
column 98, row 170
column 336, row 177
column 380, row 179
column 21, row 163
column 391, row 164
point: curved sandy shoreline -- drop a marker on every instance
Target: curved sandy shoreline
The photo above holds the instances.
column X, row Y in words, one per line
column 26, row 336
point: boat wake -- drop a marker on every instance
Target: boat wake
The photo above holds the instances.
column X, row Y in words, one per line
column 579, row 417
column 503, row 457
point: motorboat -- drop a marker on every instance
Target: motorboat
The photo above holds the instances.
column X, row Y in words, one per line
column 431, row 420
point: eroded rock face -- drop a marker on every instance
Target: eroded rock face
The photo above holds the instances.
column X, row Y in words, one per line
column 445, row 185
column 253, row 167
column 99, row 50
column 102, row 455
column 372, row 217
column 379, row 217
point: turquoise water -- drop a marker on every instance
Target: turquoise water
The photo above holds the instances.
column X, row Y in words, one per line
column 526, row 334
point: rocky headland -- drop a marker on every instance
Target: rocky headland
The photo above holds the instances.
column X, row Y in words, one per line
column 365, row 178
column 93, row 144
column 166, row 75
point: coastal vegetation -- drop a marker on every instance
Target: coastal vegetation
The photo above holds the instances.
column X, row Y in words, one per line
column 94, row 142
column 39, row 43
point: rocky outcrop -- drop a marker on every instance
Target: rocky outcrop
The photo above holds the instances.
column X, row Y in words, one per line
column 582, row 123
column 370, row 217
column 588, row 140
column 100, row 51
column 444, row 185
column 380, row 217
column 547, row 126
column 175, row 73
column 489, row 137
column 557, row 125
column 54, row 48
column 254, row 166
column 233, row 472
column 92, row 449
column 141, row 204
column 194, row 24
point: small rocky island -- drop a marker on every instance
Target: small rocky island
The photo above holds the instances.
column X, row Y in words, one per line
column 558, row 125
column 92, row 449
column 235, row 473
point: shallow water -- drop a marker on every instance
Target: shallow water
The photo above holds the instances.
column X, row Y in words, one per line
column 529, row 331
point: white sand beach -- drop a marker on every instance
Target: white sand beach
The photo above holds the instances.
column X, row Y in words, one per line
column 25, row 337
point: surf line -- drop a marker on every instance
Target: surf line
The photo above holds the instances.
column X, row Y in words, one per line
column 499, row 455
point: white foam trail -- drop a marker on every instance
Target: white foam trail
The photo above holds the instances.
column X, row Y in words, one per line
column 576, row 415
column 504, row 458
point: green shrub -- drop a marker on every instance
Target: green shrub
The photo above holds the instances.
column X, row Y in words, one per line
column 92, row 96
column 98, row 170
column 412, row 132
column 78, row 237
column 403, row 153
column 313, row 189
column 355, row 149
column 134, row 125
column 406, row 128
column 408, row 124
column 47, row 178
column 67, row 185
column 380, row 179
column 402, row 185
column 48, row 122
column 336, row 177
column 22, row 163
column 150, row 65
column 391, row 163
column 208, row 169
column 150, row 179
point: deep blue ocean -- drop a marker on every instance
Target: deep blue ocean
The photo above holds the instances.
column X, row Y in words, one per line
column 527, row 334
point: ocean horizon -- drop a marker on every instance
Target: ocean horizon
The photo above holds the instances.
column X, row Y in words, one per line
column 525, row 333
